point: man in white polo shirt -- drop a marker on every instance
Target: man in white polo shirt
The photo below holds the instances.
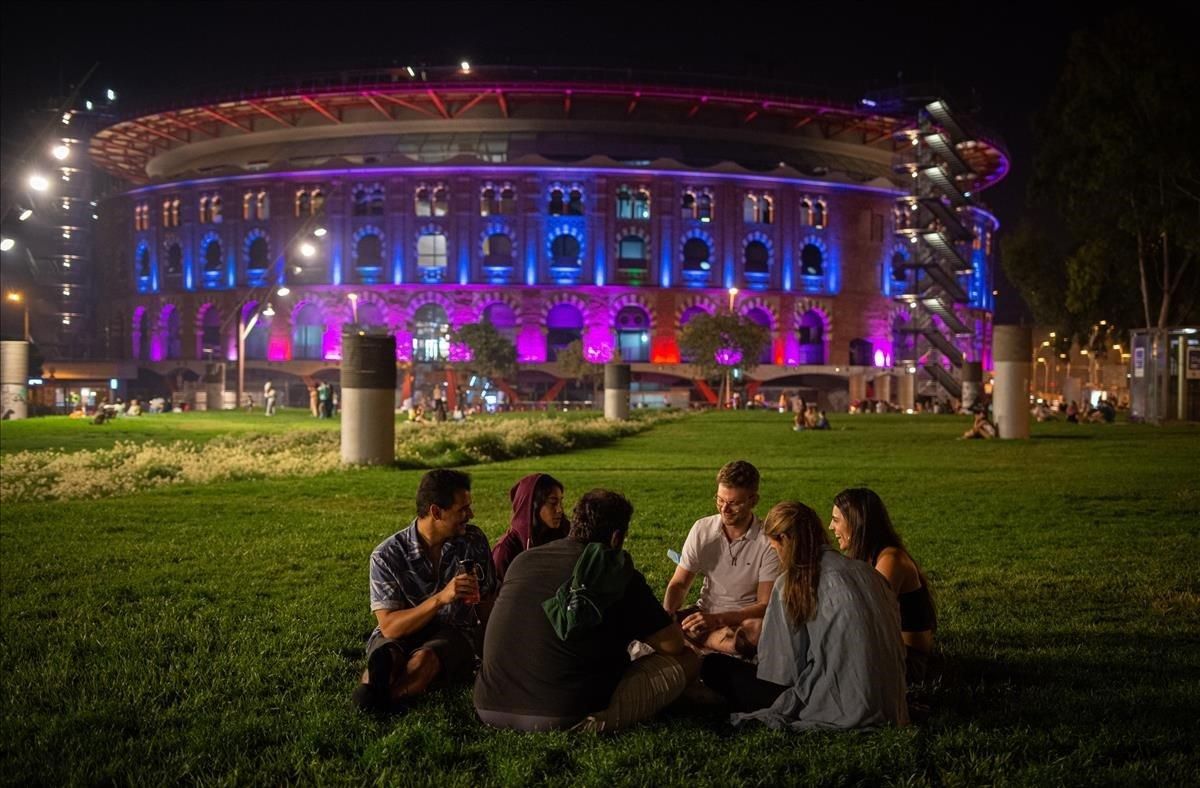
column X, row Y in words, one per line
column 738, row 565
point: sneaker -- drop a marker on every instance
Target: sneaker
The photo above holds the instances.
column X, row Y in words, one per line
column 383, row 666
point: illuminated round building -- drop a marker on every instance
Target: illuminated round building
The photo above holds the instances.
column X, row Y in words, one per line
column 559, row 208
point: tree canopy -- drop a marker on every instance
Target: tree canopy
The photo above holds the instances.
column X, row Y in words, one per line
column 717, row 343
column 492, row 355
column 1113, row 226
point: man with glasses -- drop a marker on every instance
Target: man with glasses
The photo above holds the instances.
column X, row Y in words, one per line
column 738, row 565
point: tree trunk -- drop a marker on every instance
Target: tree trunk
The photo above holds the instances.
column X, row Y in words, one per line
column 1164, row 309
column 1141, row 257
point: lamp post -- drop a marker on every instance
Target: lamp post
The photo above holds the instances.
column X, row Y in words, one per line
column 728, row 395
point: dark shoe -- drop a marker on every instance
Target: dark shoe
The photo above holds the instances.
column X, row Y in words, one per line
column 384, row 665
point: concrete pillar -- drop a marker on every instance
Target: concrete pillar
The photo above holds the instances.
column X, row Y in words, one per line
column 858, row 386
column 14, row 379
column 884, row 388
column 907, row 394
column 1013, row 353
column 368, row 379
column 616, row 392
column 972, row 384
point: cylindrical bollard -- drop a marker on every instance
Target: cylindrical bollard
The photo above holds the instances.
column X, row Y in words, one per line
column 368, row 394
column 972, row 385
column 907, row 394
column 14, row 379
column 1012, row 349
column 616, row 392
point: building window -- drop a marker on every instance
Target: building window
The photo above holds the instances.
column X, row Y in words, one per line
column 758, row 209
column 810, row 335
column 210, row 334
column 624, row 203
column 308, row 333
column 633, row 334
column 564, row 251
column 170, row 212
column 431, row 334
column 695, row 255
column 423, row 201
column 257, row 255
column 575, row 203
column 212, row 257
column 368, row 257
column 248, row 206
column 497, row 250
column 641, row 204
column 259, row 336
column 811, row 261
column 489, row 201
column 441, row 201
column 564, row 325
column 174, row 335
column 757, row 258
column 367, row 200
column 174, row 268
column 557, row 206
column 303, row 203
column 750, row 209
column 806, row 212
column 204, row 213
column 631, row 253
column 688, row 205
column 431, row 251
column 820, row 214
column 318, row 201
column 262, row 205
column 704, row 207
column 899, row 272
column 141, row 217
column 143, row 263
column 633, row 203
column 508, row 200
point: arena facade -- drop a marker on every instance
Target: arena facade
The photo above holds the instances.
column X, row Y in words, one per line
column 558, row 206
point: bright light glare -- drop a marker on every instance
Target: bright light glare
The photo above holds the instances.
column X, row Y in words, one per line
column 7, row 244
column 320, row 232
column 38, row 183
column 307, row 249
column 60, row 152
column 282, row 291
column 25, row 214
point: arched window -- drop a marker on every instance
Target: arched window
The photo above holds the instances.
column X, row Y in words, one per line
column 166, row 213
column 557, row 206
column 215, row 208
column 575, row 203
column 175, row 212
column 248, row 206
column 704, row 207
column 441, row 201
column 144, row 338
column 631, row 253
column 633, row 334
column 431, row 334
column 757, row 258
column 174, row 261
column 899, row 272
column 564, row 251
column 862, row 352
column 303, row 203
column 688, row 205
column 806, row 214
column 318, row 201
column 212, row 257
column 695, row 255
column 210, row 334
column 173, row 346
column 761, row 318
column 624, row 203
column 375, row 201
column 368, row 256
column 503, row 318
column 369, row 314
column 262, row 204
column 143, row 264
column 564, row 325
column 508, row 201
column 259, row 337
column 750, row 209
column 308, row 332
column 204, row 214
column 258, row 255
column 497, row 250
column 820, row 214
column 361, row 201
column 488, row 204
column 431, row 251
column 811, row 261
column 767, row 210
column 810, row 334
column 424, row 201
column 641, row 204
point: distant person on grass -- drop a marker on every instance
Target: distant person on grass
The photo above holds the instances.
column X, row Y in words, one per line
column 864, row 531
column 830, row 653
column 537, row 518
column 431, row 587
column 557, row 650
column 738, row 565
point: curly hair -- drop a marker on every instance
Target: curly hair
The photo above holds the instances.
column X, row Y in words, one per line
column 600, row 514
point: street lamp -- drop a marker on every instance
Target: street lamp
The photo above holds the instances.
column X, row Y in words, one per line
column 728, row 397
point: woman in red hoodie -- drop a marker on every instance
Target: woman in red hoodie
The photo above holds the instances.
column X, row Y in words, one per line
column 537, row 518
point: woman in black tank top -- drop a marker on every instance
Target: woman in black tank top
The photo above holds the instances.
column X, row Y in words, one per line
column 864, row 531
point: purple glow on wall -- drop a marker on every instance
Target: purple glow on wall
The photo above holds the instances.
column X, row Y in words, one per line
column 880, row 359
column 331, row 345
column 531, row 345
column 600, row 353
column 277, row 349
column 459, row 352
column 728, row 356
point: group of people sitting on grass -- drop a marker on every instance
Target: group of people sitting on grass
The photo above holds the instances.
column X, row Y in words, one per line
column 559, row 630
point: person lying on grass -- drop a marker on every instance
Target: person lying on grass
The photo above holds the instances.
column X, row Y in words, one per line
column 738, row 565
column 556, row 652
column 432, row 586
column 830, row 653
column 864, row 531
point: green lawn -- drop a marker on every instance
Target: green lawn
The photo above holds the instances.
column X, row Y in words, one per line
column 213, row 633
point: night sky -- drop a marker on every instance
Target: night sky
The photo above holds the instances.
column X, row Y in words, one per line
column 1004, row 60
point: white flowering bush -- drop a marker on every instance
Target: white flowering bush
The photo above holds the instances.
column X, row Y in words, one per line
column 131, row 467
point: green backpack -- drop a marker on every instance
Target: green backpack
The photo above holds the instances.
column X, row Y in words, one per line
column 598, row 581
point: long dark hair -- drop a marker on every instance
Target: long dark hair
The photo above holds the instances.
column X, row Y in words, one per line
column 800, row 535
column 871, row 529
